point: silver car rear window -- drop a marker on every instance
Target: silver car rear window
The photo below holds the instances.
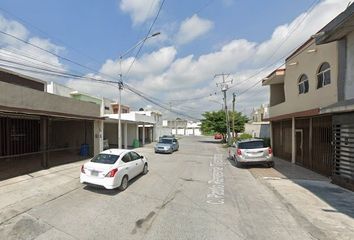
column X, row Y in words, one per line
column 251, row 145
column 105, row 158
column 165, row 140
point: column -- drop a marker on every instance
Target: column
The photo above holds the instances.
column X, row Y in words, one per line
column 271, row 134
column 293, row 144
column 98, row 137
column 126, row 135
column 310, row 141
column 137, row 132
column 143, row 134
column 44, row 141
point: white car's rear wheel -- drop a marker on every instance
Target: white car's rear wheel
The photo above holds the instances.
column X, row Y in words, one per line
column 124, row 183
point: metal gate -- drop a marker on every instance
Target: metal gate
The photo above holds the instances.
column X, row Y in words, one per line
column 343, row 145
column 281, row 131
column 322, row 157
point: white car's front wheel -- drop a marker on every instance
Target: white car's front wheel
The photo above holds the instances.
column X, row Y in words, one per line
column 145, row 170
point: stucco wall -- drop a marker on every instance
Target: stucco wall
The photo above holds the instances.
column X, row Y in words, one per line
column 21, row 97
column 308, row 63
column 132, row 128
column 258, row 130
column 349, row 78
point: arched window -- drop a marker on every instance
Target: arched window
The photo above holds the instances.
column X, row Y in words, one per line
column 324, row 75
column 303, row 84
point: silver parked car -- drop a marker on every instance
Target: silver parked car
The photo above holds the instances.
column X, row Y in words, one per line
column 251, row 151
column 166, row 145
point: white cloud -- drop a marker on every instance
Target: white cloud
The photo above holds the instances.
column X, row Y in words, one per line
column 25, row 54
column 149, row 64
column 140, row 10
column 163, row 75
column 192, row 28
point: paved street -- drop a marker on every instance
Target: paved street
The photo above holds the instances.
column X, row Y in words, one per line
column 195, row 193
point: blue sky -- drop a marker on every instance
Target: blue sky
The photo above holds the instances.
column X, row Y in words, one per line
column 198, row 39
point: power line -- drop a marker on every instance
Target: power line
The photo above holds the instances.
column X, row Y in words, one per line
column 287, row 37
column 147, row 34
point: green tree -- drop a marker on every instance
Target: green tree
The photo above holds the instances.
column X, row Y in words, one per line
column 214, row 122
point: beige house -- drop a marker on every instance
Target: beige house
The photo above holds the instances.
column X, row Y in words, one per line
column 341, row 30
column 298, row 92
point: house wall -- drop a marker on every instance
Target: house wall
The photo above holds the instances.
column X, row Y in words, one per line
column 258, row 130
column 110, row 132
column 277, row 94
column 349, row 78
column 58, row 89
column 25, row 98
column 308, row 63
column 132, row 128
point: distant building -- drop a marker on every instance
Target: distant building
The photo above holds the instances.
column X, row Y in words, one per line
column 257, row 127
column 182, row 127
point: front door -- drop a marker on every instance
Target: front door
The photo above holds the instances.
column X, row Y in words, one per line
column 299, row 146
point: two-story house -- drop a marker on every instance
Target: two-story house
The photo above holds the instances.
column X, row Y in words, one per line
column 300, row 133
column 341, row 30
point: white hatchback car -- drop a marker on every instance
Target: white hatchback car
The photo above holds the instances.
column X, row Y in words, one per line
column 113, row 168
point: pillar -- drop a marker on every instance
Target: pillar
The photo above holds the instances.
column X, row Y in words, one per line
column 293, row 143
column 98, row 136
column 310, row 141
column 137, row 132
column 126, row 135
column 271, row 134
column 143, row 134
column 44, row 141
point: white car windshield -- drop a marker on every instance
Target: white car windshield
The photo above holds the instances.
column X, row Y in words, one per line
column 105, row 158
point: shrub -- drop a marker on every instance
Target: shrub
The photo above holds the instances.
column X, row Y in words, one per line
column 244, row 136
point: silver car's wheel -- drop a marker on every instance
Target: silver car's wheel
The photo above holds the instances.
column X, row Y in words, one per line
column 124, row 183
column 145, row 170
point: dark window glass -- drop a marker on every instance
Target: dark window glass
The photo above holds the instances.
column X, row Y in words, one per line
column 126, row 158
column 134, row 156
column 303, row 84
column 319, row 80
column 324, row 67
column 165, row 140
column 327, row 77
column 306, row 86
column 324, row 75
column 105, row 158
column 251, row 145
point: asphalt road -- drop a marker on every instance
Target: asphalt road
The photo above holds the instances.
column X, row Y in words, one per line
column 195, row 193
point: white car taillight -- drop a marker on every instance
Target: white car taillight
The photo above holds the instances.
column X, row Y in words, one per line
column 82, row 169
column 112, row 173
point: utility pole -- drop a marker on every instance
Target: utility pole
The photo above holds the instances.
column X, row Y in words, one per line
column 233, row 114
column 224, row 87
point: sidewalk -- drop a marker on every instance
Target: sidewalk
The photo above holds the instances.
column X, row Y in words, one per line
column 324, row 209
column 20, row 194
